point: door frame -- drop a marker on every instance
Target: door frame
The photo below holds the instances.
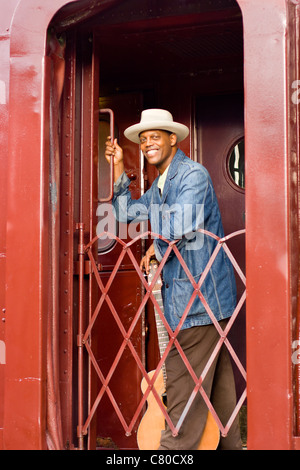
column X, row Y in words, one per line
column 268, row 223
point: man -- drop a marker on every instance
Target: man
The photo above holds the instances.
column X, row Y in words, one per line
column 180, row 201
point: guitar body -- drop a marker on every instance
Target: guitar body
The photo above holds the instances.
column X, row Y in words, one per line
column 153, row 422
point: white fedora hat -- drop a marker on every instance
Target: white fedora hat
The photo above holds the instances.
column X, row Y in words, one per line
column 152, row 119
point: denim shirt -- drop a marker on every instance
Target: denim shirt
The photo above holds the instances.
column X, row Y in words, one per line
column 188, row 203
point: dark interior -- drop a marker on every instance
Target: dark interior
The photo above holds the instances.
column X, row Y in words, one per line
column 196, row 44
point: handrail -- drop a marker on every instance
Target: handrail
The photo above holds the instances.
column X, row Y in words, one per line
column 112, row 127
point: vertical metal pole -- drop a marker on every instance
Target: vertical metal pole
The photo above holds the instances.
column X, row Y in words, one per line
column 112, row 130
column 80, row 227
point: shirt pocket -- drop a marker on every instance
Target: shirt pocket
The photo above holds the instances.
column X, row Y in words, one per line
column 181, row 295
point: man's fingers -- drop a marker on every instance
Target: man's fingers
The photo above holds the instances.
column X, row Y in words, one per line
column 145, row 262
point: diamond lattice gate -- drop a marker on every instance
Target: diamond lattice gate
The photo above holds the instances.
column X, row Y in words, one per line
column 84, row 334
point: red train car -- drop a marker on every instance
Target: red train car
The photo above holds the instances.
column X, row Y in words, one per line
column 76, row 332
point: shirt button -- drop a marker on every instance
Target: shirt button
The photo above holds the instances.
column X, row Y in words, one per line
column 167, row 286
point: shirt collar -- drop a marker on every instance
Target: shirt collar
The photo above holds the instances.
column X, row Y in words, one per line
column 162, row 179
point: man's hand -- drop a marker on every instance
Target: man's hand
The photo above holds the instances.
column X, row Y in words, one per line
column 145, row 262
column 113, row 150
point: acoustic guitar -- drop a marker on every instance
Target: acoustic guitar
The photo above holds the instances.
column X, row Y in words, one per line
column 153, row 421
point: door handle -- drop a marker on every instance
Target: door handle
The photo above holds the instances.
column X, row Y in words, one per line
column 112, row 128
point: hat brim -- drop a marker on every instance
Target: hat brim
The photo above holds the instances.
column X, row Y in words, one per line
column 132, row 133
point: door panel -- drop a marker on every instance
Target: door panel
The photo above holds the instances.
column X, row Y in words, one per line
column 125, row 294
column 220, row 122
column 125, row 291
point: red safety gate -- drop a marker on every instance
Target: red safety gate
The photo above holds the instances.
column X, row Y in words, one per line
column 84, row 333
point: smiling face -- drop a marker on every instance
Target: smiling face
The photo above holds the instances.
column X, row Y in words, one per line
column 159, row 148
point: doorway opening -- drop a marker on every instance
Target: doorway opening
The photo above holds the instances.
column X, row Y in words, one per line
column 186, row 57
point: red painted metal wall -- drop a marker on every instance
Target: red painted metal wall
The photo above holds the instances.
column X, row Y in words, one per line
column 268, row 255
column 26, row 275
column 4, row 115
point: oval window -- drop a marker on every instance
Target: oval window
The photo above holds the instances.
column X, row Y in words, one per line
column 236, row 164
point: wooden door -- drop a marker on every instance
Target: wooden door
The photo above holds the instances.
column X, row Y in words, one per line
column 125, row 292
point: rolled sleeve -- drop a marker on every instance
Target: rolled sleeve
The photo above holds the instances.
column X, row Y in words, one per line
column 121, row 184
